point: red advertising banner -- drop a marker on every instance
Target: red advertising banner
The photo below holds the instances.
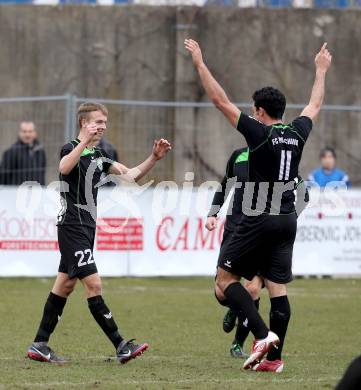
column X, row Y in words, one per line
column 120, row 234
column 28, row 245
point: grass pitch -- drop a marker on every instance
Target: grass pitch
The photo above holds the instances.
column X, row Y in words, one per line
column 181, row 320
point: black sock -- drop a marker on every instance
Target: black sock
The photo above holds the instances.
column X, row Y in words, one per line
column 104, row 318
column 243, row 326
column 279, row 317
column 53, row 310
column 240, row 300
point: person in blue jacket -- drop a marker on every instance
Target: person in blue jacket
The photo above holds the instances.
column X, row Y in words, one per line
column 328, row 172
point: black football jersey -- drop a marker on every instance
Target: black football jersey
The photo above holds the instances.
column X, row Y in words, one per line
column 274, row 156
column 79, row 188
column 236, row 174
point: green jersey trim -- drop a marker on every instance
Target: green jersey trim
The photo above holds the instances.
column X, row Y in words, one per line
column 264, row 142
column 239, row 120
column 243, row 157
column 87, row 152
column 281, row 126
column 302, row 139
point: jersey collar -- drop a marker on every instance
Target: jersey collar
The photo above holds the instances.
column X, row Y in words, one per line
column 86, row 151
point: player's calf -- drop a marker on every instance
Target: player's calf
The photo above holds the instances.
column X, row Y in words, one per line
column 280, row 315
column 125, row 350
column 53, row 309
column 242, row 332
column 241, row 301
column 104, row 317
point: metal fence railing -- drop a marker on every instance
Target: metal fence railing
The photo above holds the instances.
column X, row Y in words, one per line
column 202, row 138
column 338, row 4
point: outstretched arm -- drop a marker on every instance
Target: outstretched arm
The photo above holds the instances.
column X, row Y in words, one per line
column 322, row 61
column 160, row 149
column 214, row 91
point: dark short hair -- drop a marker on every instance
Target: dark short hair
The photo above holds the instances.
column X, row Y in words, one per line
column 271, row 100
column 328, row 149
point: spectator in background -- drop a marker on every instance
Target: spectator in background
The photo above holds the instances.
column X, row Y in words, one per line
column 25, row 160
column 328, row 172
column 112, row 153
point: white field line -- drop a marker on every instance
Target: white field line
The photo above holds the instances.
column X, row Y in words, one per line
column 299, row 292
column 337, row 293
column 244, row 379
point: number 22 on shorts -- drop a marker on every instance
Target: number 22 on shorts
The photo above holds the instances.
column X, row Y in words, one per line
column 81, row 255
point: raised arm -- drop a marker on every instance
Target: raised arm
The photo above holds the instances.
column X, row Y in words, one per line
column 322, row 61
column 160, row 149
column 68, row 162
column 214, row 91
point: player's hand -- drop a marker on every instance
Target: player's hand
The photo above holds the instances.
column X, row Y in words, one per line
column 211, row 223
column 160, row 148
column 91, row 130
column 193, row 47
column 323, row 59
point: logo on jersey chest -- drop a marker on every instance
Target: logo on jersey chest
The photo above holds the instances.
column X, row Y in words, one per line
column 286, row 141
column 99, row 163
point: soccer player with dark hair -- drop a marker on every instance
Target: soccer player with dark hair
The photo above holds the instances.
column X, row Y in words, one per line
column 236, row 176
column 263, row 241
column 81, row 166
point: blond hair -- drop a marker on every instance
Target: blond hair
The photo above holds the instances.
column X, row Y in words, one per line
column 85, row 108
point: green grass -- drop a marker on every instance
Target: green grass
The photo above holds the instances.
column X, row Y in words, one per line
column 181, row 320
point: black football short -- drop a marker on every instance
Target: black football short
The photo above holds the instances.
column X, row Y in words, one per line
column 227, row 237
column 76, row 244
column 261, row 245
column 227, row 234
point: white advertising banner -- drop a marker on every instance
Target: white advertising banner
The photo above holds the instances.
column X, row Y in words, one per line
column 161, row 232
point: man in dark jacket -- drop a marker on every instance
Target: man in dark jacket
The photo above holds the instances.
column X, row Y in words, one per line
column 25, row 160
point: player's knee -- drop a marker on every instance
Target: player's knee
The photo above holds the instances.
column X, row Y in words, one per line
column 222, row 282
column 69, row 290
column 224, row 279
column 220, row 285
column 275, row 289
column 222, row 300
column 253, row 290
column 94, row 288
column 68, row 287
